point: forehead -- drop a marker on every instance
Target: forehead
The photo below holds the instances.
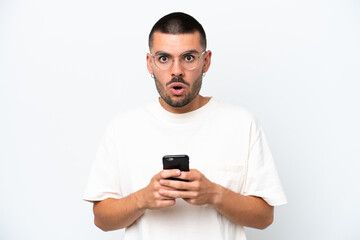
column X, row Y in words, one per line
column 176, row 43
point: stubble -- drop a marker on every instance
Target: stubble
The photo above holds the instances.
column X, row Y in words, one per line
column 179, row 101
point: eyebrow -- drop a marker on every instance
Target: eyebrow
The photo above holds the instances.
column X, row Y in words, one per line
column 161, row 53
column 184, row 53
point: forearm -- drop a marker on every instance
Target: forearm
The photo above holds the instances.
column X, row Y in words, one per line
column 248, row 211
column 111, row 214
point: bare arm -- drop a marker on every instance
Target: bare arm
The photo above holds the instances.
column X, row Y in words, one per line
column 248, row 211
column 111, row 214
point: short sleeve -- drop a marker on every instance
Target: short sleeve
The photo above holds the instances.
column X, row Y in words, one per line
column 262, row 179
column 104, row 177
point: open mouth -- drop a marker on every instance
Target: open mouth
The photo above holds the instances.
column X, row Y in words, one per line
column 177, row 90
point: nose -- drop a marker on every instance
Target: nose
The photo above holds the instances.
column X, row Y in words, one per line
column 176, row 68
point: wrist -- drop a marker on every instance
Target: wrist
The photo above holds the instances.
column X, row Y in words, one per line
column 138, row 199
column 217, row 195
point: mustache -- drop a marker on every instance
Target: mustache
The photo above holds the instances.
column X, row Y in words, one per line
column 177, row 80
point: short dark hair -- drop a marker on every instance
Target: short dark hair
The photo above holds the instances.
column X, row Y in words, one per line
column 178, row 23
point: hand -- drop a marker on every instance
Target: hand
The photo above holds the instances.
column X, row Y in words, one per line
column 198, row 190
column 150, row 197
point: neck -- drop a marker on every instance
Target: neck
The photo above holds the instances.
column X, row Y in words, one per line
column 197, row 103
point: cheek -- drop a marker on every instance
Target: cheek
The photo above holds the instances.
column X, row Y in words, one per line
column 195, row 74
column 162, row 76
column 160, row 79
column 197, row 71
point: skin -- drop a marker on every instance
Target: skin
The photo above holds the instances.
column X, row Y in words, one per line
column 250, row 211
column 176, row 45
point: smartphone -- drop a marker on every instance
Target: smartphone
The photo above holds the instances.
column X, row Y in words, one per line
column 180, row 162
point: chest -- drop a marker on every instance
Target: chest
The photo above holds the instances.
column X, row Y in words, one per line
column 219, row 152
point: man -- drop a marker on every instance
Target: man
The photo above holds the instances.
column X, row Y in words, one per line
column 232, row 182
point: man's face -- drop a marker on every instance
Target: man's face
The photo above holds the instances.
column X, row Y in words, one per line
column 177, row 85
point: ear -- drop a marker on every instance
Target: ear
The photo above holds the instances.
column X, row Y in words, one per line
column 149, row 64
column 207, row 61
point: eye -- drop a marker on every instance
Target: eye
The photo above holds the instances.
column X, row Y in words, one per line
column 163, row 59
column 189, row 58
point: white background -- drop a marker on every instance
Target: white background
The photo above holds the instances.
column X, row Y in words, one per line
column 67, row 67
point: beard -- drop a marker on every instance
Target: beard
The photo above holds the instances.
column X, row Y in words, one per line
column 179, row 101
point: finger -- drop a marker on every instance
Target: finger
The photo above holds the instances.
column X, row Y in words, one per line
column 192, row 201
column 167, row 187
column 157, row 185
column 180, row 185
column 165, row 203
column 164, row 198
column 169, row 173
column 160, row 197
column 178, row 194
column 191, row 175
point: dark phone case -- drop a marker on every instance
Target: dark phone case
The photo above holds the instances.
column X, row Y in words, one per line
column 176, row 162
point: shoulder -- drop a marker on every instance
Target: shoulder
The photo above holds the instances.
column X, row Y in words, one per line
column 233, row 112
column 130, row 117
column 238, row 119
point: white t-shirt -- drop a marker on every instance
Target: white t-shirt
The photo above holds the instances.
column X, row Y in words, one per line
column 224, row 142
